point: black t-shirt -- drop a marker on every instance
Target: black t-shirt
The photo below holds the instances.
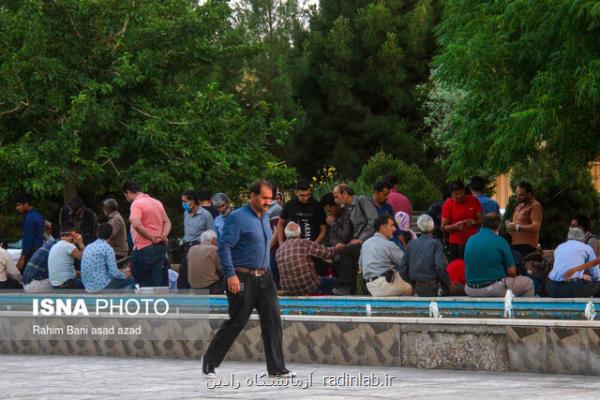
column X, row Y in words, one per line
column 308, row 216
column 214, row 211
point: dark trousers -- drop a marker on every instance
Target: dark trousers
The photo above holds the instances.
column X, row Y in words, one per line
column 260, row 293
column 456, row 251
column 10, row 284
column 523, row 249
column 147, row 265
column 575, row 288
column 182, row 278
column 116, row 283
column 346, row 266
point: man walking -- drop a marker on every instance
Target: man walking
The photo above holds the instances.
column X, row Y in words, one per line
column 244, row 255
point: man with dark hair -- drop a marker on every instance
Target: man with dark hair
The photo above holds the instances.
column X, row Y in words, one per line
column 84, row 219
column 205, row 200
column 118, row 239
column 490, row 265
column 196, row 221
column 461, row 218
column 307, row 212
column 33, row 229
column 381, row 192
column 244, row 254
column 61, row 259
column 150, row 228
column 583, row 222
column 526, row 221
column 99, row 269
column 381, row 261
column 338, row 221
column 362, row 215
column 397, row 200
column 477, row 185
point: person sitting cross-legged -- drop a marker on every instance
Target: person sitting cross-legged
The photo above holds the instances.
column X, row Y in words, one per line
column 297, row 272
column 490, row 265
column 99, row 265
column 381, row 261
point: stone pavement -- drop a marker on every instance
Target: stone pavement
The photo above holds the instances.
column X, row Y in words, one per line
column 72, row 377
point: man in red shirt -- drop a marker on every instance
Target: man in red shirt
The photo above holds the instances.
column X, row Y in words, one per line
column 150, row 227
column 461, row 218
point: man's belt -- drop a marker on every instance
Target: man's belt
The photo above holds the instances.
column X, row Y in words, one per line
column 482, row 285
column 252, row 271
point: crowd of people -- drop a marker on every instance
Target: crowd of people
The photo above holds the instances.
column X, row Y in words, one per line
column 340, row 244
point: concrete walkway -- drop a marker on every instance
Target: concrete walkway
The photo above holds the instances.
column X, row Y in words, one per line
column 60, row 377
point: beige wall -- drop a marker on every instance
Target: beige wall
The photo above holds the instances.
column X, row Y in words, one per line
column 503, row 190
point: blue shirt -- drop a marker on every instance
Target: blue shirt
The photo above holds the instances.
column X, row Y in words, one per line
column 37, row 266
column 487, row 257
column 488, row 205
column 245, row 241
column 219, row 224
column 33, row 231
column 99, row 266
column 195, row 224
column 571, row 254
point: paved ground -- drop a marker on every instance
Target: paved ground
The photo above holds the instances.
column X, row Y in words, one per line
column 60, row 377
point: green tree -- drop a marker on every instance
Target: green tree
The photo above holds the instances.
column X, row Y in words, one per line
column 412, row 181
column 361, row 63
column 528, row 79
column 93, row 92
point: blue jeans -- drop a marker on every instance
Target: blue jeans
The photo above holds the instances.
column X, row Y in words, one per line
column 115, row 283
column 147, row 263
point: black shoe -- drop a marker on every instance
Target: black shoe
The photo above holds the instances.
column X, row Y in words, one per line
column 284, row 373
column 208, row 370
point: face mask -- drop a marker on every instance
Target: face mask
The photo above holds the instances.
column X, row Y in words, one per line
column 186, row 206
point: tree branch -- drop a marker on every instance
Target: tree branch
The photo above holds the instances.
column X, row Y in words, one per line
column 22, row 104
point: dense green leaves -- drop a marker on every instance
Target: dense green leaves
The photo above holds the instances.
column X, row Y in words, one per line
column 529, row 81
column 92, row 92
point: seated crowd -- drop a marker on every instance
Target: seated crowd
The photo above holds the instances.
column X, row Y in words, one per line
column 341, row 244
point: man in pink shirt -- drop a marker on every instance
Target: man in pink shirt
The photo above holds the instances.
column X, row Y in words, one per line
column 397, row 200
column 150, row 227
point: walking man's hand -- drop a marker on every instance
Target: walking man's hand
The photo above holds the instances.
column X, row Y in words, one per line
column 233, row 284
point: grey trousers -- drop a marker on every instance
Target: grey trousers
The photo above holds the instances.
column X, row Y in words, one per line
column 520, row 286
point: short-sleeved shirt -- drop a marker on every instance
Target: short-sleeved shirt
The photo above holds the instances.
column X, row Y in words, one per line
column 61, row 263
column 488, row 205
column 152, row 214
column 571, row 254
column 309, row 216
column 195, row 224
column 487, row 257
column 525, row 214
column 456, row 212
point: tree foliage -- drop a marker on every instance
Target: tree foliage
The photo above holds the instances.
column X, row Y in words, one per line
column 412, row 181
column 93, row 92
column 527, row 79
column 360, row 63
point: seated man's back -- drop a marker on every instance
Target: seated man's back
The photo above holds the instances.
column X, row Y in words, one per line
column 490, row 265
column 204, row 265
column 61, row 263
